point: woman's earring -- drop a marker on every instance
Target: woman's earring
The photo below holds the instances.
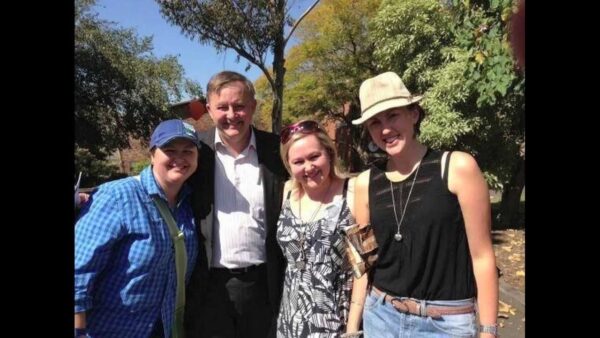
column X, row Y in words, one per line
column 372, row 147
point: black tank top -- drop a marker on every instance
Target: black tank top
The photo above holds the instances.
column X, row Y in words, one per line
column 432, row 261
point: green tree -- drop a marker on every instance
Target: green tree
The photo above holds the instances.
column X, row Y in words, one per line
column 252, row 28
column 137, row 167
column 326, row 68
column 455, row 52
column 337, row 54
column 415, row 40
column 500, row 90
column 94, row 171
column 121, row 89
column 459, row 55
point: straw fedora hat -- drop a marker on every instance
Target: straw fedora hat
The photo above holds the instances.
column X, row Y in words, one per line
column 381, row 93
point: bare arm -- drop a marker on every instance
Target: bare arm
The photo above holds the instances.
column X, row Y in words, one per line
column 466, row 181
column 359, row 285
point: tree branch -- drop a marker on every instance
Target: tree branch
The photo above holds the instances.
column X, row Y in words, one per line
column 298, row 22
column 267, row 75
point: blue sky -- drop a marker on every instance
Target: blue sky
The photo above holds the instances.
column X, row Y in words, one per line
column 199, row 61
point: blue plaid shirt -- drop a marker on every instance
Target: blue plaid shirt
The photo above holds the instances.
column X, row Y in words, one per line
column 124, row 258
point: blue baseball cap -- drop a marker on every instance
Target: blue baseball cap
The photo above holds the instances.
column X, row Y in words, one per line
column 169, row 130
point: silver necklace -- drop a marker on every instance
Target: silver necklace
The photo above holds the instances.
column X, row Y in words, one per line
column 301, row 262
column 398, row 236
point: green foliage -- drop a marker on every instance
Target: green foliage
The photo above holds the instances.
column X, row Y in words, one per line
column 244, row 25
column 264, row 94
column 410, row 36
column 137, row 167
column 493, row 181
column 325, row 69
column 459, row 56
column 121, row 89
column 496, row 87
column 252, row 28
column 415, row 40
column 94, row 171
column 484, row 34
column 301, row 96
column 336, row 54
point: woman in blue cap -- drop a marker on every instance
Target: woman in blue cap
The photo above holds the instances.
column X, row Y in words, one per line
column 129, row 257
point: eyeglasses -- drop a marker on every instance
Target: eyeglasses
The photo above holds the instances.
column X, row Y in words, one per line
column 304, row 127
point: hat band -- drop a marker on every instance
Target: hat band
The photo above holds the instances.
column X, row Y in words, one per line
column 388, row 99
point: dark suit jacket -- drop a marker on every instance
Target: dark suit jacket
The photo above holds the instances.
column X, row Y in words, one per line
column 274, row 176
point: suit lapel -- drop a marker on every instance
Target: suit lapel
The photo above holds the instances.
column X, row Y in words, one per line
column 266, row 154
column 208, row 160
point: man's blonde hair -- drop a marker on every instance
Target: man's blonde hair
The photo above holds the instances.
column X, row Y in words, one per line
column 222, row 79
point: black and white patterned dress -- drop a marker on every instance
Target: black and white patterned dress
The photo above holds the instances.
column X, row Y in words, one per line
column 315, row 300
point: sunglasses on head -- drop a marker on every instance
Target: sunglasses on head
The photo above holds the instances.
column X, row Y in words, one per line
column 304, row 127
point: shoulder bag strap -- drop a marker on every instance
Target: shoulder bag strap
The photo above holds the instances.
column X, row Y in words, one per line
column 445, row 162
column 180, row 264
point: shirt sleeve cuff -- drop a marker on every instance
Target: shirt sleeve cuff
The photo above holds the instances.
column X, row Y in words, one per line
column 82, row 305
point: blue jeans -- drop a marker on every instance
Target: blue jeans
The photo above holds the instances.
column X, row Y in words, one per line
column 382, row 320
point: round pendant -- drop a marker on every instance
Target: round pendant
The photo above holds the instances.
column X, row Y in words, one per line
column 398, row 237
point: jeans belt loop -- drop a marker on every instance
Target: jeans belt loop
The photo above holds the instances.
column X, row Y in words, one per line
column 382, row 297
column 422, row 308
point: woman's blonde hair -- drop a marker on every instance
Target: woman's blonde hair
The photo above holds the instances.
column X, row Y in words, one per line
column 325, row 141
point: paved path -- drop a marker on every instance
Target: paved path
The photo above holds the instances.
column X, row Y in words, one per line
column 514, row 325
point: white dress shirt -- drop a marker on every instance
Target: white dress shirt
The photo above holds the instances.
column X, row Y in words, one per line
column 239, row 228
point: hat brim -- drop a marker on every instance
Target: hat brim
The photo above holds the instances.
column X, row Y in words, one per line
column 171, row 139
column 385, row 105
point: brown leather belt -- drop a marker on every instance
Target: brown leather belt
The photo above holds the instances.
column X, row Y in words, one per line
column 414, row 307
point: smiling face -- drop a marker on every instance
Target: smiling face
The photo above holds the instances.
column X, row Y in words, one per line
column 231, row 109
column 309, row 161
column 174, row 162
column 393, row 130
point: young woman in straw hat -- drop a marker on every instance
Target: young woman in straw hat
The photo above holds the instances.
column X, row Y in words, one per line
column 430, row 213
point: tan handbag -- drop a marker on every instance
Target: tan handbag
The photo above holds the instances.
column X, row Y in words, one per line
column 361, row 248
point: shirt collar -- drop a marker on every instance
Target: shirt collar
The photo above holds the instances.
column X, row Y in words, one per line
column 251, row 145
column 152, row 188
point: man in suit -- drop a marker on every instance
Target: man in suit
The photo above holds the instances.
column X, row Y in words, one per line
column 236, row 287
